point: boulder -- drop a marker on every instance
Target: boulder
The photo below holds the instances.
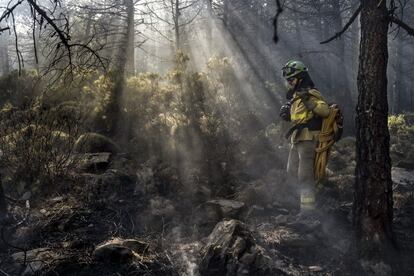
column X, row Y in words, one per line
column 232, row 250
column 119, row 250
column 128, row 257
column 224, row 208
column 32, row 262
column 403, row 179
column 92, row 162
column 94, row 143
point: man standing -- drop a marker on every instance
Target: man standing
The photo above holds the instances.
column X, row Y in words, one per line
column 305, row 109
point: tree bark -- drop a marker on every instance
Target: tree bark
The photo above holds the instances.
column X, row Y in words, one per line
column 226, row 11
column 210, row 20
column 3, row 204
column 113, row 110
column 4, row 54
column 130, row 65
column 176, row 18
column 373, row 203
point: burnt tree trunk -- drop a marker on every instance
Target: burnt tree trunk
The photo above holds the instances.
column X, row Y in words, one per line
column 3, row 204
column 130, row 53
column 176, row 18
column 373, row 203
column 113, row 121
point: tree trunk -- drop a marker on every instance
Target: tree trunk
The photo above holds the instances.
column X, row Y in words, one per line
column 176, row 17
column 130, row 65
column 113, row 110
column 226, row 11
column 3, row 205
column 4, row 54
column 209, row 24
column 373, row 203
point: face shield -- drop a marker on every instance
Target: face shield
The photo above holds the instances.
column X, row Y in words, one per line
column 287, row 71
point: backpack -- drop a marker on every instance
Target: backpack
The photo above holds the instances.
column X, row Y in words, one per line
column 331, row 132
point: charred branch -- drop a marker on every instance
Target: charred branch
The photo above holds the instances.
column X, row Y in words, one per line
column 402, row 25
column 347, row 25
column 275, row 20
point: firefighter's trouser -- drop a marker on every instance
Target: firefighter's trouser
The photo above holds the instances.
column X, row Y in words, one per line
column 300, row 171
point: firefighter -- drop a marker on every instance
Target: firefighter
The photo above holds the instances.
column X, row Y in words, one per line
column 305, row 109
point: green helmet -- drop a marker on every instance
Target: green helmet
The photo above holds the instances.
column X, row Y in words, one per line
column 292, row 68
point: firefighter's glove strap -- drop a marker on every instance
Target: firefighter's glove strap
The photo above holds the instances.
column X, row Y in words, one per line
column 285, row 112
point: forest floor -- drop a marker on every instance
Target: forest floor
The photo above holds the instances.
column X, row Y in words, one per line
column 120, row 220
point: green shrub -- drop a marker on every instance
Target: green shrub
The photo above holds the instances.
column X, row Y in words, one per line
column 36, row 146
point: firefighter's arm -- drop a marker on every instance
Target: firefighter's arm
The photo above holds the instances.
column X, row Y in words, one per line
column 315, row 104
column 318, row 106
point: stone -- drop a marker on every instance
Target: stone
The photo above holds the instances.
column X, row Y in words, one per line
column 95, row 143
column 92, row 162
column 403, row 179
column 232, row 250
column 315, row 268
column 119, row 250
column 34, row 261
column 224, row 208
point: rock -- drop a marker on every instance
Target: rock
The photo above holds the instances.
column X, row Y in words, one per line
column 94, row 143
column 92, row 162
column 232, row 250
column 403, row 179
column 315, row 268
column 34, row 261
column 119, row 250
column 128, row 257
column 224, row 208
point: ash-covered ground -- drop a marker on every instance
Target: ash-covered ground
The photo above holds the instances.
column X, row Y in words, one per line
column 113, row 218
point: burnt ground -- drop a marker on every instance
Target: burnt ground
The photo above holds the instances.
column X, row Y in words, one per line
column 171, row 222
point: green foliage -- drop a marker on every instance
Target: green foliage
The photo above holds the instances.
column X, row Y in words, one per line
column 197, row 120
column 401, row 129
column 20, row 91
column 36, row 145
column 397, row 124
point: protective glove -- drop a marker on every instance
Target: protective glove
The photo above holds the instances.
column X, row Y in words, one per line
column 285, row 112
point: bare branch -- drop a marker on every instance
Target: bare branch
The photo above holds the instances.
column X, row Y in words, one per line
column 347, row 25
column 402, row 24
column 278, row 13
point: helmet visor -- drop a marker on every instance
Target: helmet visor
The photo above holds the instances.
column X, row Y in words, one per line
column 287, row 71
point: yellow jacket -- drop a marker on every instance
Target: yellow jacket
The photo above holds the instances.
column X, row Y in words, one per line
column 303, row 111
